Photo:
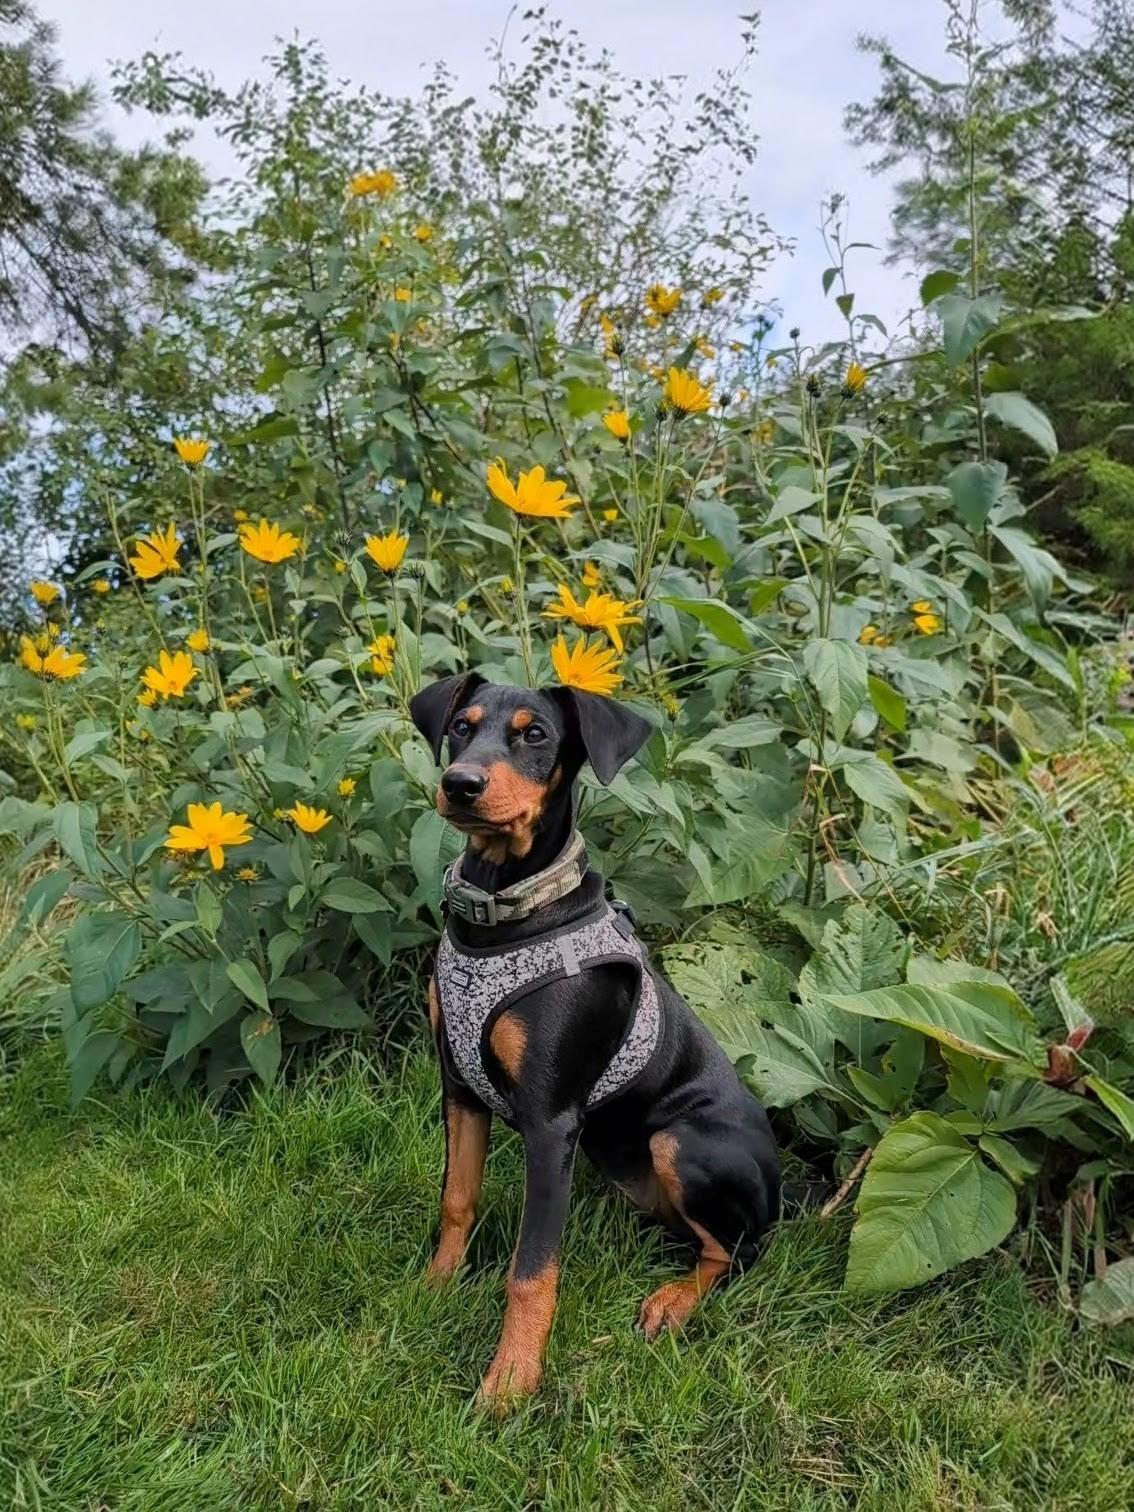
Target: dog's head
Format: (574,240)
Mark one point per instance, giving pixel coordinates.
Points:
(512,749)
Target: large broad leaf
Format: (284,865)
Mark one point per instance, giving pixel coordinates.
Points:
(89,1059)
(1115,1101)
(433,845)
(74,826)
(260,1037)
(101,949)
(1022,415)
(965,323)
(1039,567)
(245,974)
(858,952)
(977,1017)
(975,487)
(837,670)
(349,895)
(877,784)
(1110,1301)
(935,284)
(927,1202)
(718,619)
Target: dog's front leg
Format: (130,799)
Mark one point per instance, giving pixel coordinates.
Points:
(549,1158)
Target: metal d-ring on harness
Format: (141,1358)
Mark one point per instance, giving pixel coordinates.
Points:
(476,985)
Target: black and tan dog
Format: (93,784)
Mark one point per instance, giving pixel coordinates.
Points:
(681,1136)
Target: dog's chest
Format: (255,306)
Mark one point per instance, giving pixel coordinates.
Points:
(475,987)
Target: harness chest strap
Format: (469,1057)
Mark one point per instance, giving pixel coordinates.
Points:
(474,986)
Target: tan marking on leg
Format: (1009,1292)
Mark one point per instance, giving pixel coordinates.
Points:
(466,1139)
(434,1007)
(517,1368)
(670,1305)
(508,1041)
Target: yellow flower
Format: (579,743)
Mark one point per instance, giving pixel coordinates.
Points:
(26,721)
(101,585)
(383,183)
(662,301)
(592,575)
(248,874)
(922,606)
(868,635)
(403,295)
(598,611)
(462,606)
(387,551)
(238,699)
(381,650)
(712,296)
(591,669)
(340,565)
(44,593)
(436,496)
(240,515)
(533,493)
(653,322)
(703,346)
(148,698)
(927,624)
(50,661)
(671,705)
(506,584)
(267,543)
(423,234)
(172,675)
(855,380)
(882,641)
(347,786)
(766,432)
(610,515)
(156,553)
(617,423)
(209,829)
(309,820)
(199,640)
(686,393)
(191,452)
(612,337)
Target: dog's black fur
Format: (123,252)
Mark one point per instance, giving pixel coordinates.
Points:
(686,1140)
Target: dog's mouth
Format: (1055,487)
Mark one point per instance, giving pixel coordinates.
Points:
(469,822)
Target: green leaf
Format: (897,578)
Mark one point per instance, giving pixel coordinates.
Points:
(829,276)
(74,825)
(331,1013)
(927,1203)
(1021,414)
(245,975)
(790,501)
(837,670)
(877,784)
(718,618)
(82,745)
(1013,1162)
(975,487)
(977,1017)
(741,734)
(965,323)
(433,845)
(88,1061)
(888,702)
(349,895)
(933,285)
(1039,567)
(101,949)
(260,1037)
(861,950)
(1115,1101)
(1109,1300)
(585,398)
(845,303)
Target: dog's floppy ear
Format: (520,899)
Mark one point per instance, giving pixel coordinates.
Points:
(610,732)
(433,708)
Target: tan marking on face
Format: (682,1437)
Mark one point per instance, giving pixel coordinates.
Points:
(514,803)
(466,1145)
(474,714)
(518,1365)
(521,719)
(508,1041)
(670,1305)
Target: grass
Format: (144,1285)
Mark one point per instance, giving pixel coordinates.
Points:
(211,1313)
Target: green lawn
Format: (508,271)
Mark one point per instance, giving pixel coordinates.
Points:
(204,1313)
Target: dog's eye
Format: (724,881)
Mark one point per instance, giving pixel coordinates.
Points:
(534,734)
(460,728)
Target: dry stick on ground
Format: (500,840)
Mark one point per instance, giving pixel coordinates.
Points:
(834,1203)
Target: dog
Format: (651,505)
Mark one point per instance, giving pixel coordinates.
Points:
(545,1011)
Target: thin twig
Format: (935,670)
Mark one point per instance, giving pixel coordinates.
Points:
(833,1204)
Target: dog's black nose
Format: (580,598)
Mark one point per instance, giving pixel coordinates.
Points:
(463,784)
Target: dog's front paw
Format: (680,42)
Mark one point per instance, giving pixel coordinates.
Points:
(509,1379)
(667,1308)
(440,1271)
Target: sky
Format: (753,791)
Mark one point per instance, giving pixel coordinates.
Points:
(806,70)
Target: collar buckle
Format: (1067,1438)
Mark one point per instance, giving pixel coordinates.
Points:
(472,905)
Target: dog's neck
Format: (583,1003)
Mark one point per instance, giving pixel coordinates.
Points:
(549,838)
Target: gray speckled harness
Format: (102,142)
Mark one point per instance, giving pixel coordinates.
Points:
(475,986)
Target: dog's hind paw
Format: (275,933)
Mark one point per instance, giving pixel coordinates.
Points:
(667,1308)
(509,1379)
